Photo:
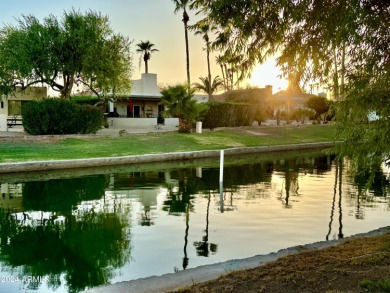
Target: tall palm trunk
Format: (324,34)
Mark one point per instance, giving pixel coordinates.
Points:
(186,18)
(223,76)
(208,64)
(227,77)
(146,63)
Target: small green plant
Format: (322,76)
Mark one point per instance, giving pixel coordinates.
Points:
(179,102)
(381,285)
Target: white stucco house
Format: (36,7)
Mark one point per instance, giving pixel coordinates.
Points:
(142,107)
(143,102)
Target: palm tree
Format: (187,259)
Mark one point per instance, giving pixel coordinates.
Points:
(209,87)
(221,62)
(179,103)
(146,48)
(204,28)
(182,5)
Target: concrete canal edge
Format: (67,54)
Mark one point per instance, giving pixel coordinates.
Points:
(181,279)
(150,158)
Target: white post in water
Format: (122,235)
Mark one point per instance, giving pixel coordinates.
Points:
(221,167)
(221,183)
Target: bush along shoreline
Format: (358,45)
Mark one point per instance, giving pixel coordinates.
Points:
(56,116)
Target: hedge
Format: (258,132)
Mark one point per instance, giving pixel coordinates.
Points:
(232,114)
(55,116)
(90,100)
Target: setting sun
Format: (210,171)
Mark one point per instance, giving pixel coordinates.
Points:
(268,74)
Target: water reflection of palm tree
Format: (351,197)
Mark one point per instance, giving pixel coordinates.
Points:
(287,188)
(338,183)
(341,235)
(333,202)
(180,202)
(185,258)
(203,247)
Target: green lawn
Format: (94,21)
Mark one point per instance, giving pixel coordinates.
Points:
(74,148)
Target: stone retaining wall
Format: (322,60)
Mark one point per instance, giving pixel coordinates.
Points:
(138,159)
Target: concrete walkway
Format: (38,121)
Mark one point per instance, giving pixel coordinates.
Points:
(18,132)
(181,279)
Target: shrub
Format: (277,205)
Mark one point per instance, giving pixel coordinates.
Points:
(91,119)
(300,114)
(89,100)
(232,114)
(381,285)
(55,116)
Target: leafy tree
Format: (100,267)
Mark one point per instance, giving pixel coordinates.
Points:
(146,48)
(318,104)
(78,49)
(179,103)
(340,44)
(209,87)
(183,5)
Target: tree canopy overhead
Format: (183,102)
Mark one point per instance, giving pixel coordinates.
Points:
(313,38)
(343,45)
(80,48)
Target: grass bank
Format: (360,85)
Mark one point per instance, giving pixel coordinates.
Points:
(153,143)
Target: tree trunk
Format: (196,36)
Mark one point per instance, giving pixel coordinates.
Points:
(185,20)
(146,58)
(223,76)
(68,85)
(185,125)
(208,67)
(227,77)
(146,66)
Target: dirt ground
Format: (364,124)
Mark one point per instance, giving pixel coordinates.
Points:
(354,266)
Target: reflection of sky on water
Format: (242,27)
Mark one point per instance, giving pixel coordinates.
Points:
(257,219)
(174,219)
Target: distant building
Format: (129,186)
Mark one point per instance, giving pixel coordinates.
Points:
(144,101)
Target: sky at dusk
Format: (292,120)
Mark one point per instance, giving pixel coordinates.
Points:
(144,20)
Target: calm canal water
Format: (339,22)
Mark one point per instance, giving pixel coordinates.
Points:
(68,231)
